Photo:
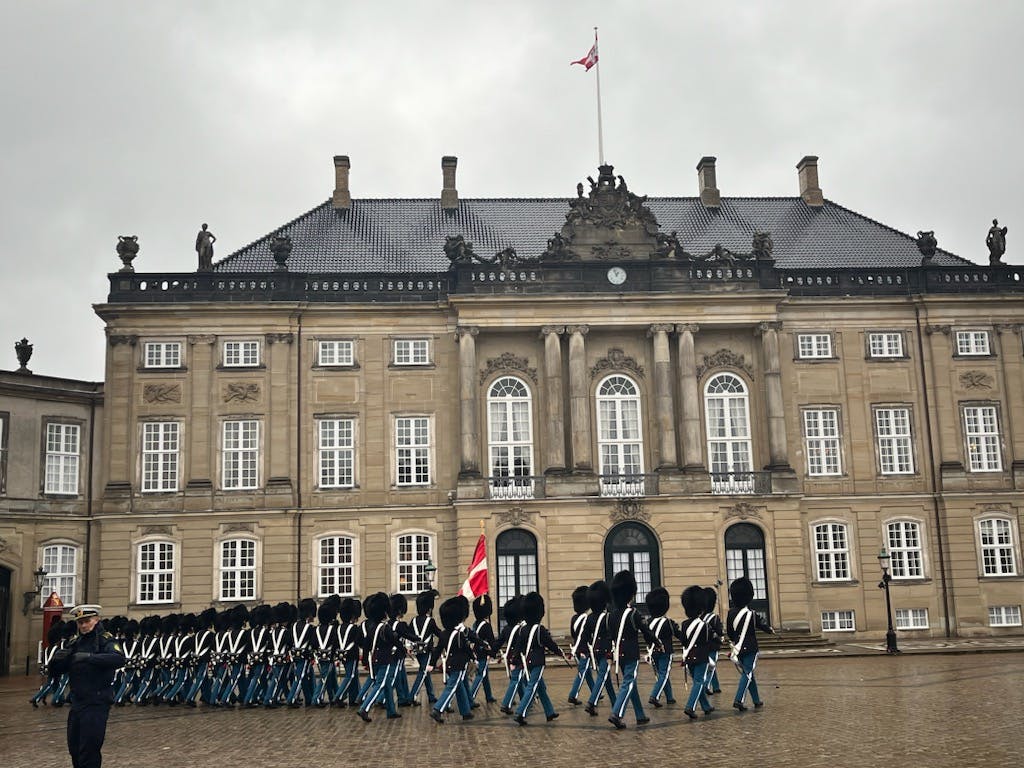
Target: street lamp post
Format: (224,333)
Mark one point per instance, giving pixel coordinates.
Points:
(890,635)
(430,570)
(39,576)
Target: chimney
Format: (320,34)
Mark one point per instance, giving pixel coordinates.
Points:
(342,198)
(707,184)
(807,169)
(449,195)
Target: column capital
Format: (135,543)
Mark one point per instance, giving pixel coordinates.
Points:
(687,328)
(1007,328)
(464,330)
(943,329)
(768,325)
(201,338)
(547,330)
(280,338)
(660,328)
(129,339)
(582,330)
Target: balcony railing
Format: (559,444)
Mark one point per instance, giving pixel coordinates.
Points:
(505,488)
(741,483)
(628,486)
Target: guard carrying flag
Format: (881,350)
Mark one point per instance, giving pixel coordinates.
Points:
(476,583)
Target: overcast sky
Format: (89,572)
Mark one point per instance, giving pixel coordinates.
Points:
(151,118)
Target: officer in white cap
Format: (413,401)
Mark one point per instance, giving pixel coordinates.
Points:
(90,661)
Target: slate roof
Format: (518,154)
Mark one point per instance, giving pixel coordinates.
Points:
(407,235)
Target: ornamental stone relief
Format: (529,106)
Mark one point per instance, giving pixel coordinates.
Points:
(3,544)
(237,528)
(242,392)
(156,530)
(505,363)
(617,360)
(724,358)
(744,510)
(629,509)
(975,380)
(162,393)
(515,516)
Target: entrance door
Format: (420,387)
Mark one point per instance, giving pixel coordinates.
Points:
(5,621)
(633,547)
(517,566)
(744,556)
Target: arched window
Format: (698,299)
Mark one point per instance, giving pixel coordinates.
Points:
(156,565)
(727,412)
(336,569)
(745,556)
(510,439)
(61,564)
(619,437)
(633,547)
(996,542)
(238,569)
(516,550)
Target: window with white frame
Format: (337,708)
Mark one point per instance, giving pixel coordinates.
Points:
(161,354)
(727,413)
(415,550)
(821,438)
(904,537)
(238,569)
(336,440)
(970,343)
(339,353)
(1004,616)
(60,561)
(838,621)
(911,618)
(895,447)
(412,351)
(4,422)
(832,552)
(510,438)
(240,455)
(412,450)
(998,558)
(161,444)
(810,346)
(62,459)
(335,566)
(981,430)
(156,572)
(620,436)
(241,354)
(884,344)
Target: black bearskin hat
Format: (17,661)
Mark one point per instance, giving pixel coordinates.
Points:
(169,623)
(282,613)
(131,629)
(54,634)
(579,599)
(69,629)
(239,616)
(115,624)
(189,623)
(657,602)
(482,607)
(347,611)
(149,625)
(452,612)
(425,601)
(261,616)
(693,601)
(598,596)
(623,589)
(398,605)
(357,608)
(710,599)
(307,609)
(207,618)
(327,613)
(741,592)
(376,606)
(533,608)
(513,610)
(222,621)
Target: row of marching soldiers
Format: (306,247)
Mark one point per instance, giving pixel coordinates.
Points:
(273,656)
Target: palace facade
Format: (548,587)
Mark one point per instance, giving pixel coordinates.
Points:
(695,388)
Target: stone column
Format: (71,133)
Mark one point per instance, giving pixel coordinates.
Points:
(778,453)
(554,461)
(122,362)
(466,336)
(202,441)
(947,430)
(663,411)
(689,413)
(278,439)
(1007,337)
(579,399)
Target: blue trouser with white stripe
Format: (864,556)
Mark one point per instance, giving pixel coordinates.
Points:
(713,685)
(423,679)
(535,687)
(701,674)
(582,673)
(482,678)
(515,675)
(747,682)
(663,670)
(381,684)
(627,691)
(454,689)
(602,682)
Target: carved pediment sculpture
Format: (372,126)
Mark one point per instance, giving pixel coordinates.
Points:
(515,517)
(724,358)
(508,362)
(617,360)
(629,509)
(610,221)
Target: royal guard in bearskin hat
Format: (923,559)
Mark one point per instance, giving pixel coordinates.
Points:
(507,639)
(181,667)
(400,678)
(453,654)
(663,628)
(235,649)
(482,610)
(69,631)
(165,661)
(260,620)
(302,631)
(349,648)
(626,622)
(54,642)
(426,630)
(714,622)
(278,651)
(148,654)
(600,640)
(696,639)
(378,655)
(741,624)
(131,647)
(580,651)
(325,654)
(531,644)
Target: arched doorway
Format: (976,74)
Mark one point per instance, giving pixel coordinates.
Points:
(633,547)
(5,621)
(745,556)
(516,551)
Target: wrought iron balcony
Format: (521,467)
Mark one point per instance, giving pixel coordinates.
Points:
(515,488)
(628,486)
(741,483)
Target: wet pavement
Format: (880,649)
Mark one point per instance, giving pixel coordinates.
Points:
(936,709)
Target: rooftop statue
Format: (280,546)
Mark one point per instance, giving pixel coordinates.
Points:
(996,242)
(763,245)
(204,247)
(926,244)
(458,250)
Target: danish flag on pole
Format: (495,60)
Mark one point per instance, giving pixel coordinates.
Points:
(476,583)
(590,59)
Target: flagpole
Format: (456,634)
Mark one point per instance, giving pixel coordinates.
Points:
(600,132)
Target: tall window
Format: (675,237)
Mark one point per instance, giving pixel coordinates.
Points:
(633,547)
(337,452)
(997,550)
(160,446)
(619,437)
(238,569)
(335,566)
(885,344)
(516,550)
(241,451)
(62,446)
(336,353)
(241,354)
(905,549)
(728,425)
(832,552)
(414,552)
(895,450)
(745,556)
(821,436)
(412,450)
(412,351)
(156,572)
(61,564)
(970,343)
(161,354)
(813,345)
(981,429)
(510,432)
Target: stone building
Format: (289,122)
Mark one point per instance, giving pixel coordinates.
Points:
(692,387)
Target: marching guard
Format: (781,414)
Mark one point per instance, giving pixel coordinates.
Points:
(453,652)
(742,623)
(580,651)
(600,640)
(697,640)
(426,630)
(661,659)
(482,610)
(507,642)
(532,642)
(628,623)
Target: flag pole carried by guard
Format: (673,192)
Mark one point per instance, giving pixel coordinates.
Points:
(588,61)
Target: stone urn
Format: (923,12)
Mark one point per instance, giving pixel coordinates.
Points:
(127,249)
(281,247)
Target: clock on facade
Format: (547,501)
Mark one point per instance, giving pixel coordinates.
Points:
(616,275)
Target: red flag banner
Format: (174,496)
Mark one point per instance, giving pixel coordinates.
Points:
(590,59)
(476,583)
